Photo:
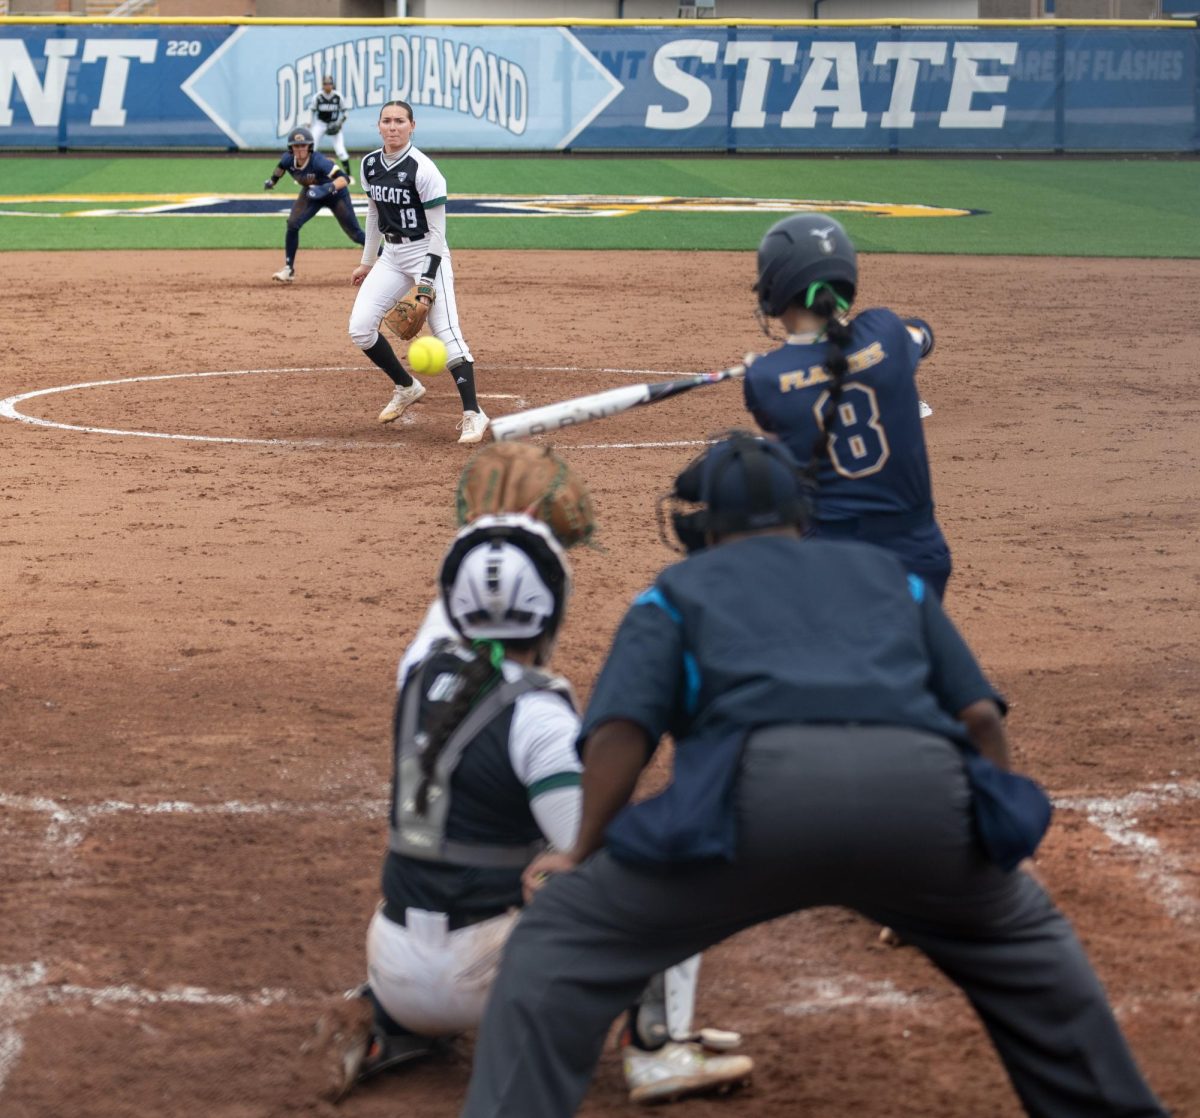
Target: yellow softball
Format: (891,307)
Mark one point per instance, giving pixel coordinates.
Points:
(427,356)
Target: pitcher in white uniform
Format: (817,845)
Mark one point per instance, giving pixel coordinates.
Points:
(406,209)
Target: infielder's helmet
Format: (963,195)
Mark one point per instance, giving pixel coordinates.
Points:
(300,136)
(504,578)
(799,251)
(743,483)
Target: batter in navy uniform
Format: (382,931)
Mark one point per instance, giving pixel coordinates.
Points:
(823,708)
(322,184)
(406,209)
(843,396)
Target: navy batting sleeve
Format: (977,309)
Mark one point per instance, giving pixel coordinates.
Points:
(920,334)
(762,418)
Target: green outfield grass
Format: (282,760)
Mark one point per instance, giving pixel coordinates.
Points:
(1053,207)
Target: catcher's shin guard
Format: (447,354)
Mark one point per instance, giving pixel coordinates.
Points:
(667,1006)
(647,1026)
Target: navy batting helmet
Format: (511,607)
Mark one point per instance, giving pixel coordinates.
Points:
(299,136)
(744,483)
(799,251)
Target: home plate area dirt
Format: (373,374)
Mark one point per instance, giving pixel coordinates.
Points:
(214,556)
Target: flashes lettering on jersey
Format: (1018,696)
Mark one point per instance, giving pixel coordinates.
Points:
(857,361)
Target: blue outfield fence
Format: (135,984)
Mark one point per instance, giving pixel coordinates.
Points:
(692,86)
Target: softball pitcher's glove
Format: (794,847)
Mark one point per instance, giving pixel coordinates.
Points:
(407,317)
(520,477)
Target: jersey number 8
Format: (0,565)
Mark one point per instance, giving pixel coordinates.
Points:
(858,445)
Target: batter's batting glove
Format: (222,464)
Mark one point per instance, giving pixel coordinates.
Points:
(316,193)
(269,184)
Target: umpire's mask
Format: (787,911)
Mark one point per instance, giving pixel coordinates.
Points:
(742,483)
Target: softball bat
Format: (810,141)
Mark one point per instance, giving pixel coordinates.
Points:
(601,405)
(613,401)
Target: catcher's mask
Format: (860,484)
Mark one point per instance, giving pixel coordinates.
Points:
(300,136)
(505,578)
(742,483)
(797,255)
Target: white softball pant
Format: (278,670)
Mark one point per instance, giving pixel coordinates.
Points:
(396,270)
(338,138)
(429,979)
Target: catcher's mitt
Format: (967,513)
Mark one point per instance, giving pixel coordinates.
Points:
(407,317)
(520,477)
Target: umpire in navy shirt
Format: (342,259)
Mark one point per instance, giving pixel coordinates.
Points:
(822,707)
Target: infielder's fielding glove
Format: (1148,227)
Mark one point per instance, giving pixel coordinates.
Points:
(334,128)
(520,477)
(407,317)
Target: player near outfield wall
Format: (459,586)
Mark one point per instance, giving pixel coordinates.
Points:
(327,114)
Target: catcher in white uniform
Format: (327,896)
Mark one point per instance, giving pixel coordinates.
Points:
(485,774)
(406,207)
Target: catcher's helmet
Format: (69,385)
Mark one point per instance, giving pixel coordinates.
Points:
(744,483)
(799,251)
(505,577)
(299,136)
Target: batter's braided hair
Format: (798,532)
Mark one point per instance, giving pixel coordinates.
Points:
(825,303)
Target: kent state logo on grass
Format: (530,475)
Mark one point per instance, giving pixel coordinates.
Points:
(532,205)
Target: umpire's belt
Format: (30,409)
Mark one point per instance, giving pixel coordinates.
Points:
(876,526)
(396,239)
(454,920)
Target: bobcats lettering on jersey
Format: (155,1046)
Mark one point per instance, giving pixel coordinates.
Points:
(327,106)
(400,196)
(402,188)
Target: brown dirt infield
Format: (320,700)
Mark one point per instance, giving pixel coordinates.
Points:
(199,643)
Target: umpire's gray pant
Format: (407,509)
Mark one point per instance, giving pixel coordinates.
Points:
(875,819)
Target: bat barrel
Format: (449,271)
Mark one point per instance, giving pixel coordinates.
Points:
(567,413)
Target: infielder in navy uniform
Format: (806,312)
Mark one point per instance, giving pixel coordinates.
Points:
(322,185)
(327,111)
(406,207)
(823,708)
(842,395)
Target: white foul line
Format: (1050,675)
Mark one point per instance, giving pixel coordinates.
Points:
(8,407)
(23,989)
(1169,875)
(67,824)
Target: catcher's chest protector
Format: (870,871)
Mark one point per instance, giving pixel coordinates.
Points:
(424,836)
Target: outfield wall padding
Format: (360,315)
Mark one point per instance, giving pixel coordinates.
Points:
(1020,87)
